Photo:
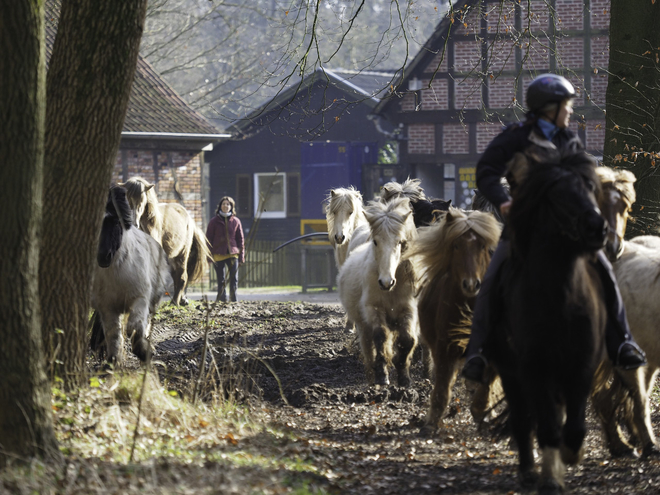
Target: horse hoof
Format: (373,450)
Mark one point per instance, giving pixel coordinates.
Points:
(529,479)
(404,381)
(142,350)
(650,450)
(551,487)
(571,457)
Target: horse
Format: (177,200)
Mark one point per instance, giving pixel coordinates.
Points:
(173,228)
(344,214)
(131,275)
(450,259)
(636,264)
(549,314)
(425,210)
(376,288)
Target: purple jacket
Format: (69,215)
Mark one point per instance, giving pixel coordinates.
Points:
(216,233)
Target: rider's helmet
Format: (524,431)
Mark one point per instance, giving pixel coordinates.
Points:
(547,89)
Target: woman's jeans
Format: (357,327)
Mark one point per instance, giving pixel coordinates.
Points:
(232,266)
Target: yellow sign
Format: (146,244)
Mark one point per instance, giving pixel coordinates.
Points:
(469,175)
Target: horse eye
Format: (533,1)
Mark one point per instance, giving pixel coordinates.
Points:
(404,245)
(491,251)
(591,186)
(375,243)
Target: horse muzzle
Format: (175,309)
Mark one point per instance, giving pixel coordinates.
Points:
(387,284)
(471,286)
(104,259)
(339,239)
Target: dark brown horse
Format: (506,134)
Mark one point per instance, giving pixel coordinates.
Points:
(451,258)
(548,336)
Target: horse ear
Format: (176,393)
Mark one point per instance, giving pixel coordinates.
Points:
(121,184)
(146,188)
(518,168)
(333,193)
(450,216)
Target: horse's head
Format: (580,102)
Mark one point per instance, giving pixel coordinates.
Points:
(559,200)
(118,218)
(392,229)
(427,211)
(343,213)
(137,190)
(615,204)
(410,188)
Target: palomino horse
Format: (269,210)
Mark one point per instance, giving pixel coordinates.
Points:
(172,226)
(376,288)
(450,259)
(131,276)
(636,264)
(344,214)
(548,337)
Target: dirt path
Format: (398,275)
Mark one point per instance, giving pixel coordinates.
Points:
(367,439)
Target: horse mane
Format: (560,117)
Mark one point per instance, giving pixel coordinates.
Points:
(410,188)
(390,217)
(529,193)
(620,180)
(338,199)
(118,201)
(135,187)
(432,251)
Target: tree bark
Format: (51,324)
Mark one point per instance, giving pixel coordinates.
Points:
(26,428)
(633,105)
(88,85)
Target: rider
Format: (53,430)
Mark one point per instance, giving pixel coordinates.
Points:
(549,102)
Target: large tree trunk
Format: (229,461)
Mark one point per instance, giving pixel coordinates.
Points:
(26,428)
(633,104)
(89,81)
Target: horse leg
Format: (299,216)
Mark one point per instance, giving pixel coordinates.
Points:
(606,402)
(485,396)
(406,342)
(521,423)
(380,340)
(639,382)
(114,338)
(368,351)
(180,278)
(445,377)
(138,328)
(549,434)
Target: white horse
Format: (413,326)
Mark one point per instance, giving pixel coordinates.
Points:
(344,214)
(637,267)
(376,288)
(131,276)
(172,226)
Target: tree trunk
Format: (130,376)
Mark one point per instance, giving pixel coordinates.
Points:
(26,428)
(633,104)
(88,85)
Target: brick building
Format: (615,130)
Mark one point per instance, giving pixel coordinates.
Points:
(470,77)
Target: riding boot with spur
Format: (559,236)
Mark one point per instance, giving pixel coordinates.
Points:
(622,349)
(475,361)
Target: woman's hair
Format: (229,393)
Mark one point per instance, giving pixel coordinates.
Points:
(231,203)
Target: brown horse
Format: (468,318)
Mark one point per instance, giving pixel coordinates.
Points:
(172,226)
(636,264)
(451,257)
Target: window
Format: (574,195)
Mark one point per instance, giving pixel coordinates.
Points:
(450,183)
(270,195)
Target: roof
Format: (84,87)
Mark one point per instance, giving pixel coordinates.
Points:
(367,86)
(430,49)
(155,110)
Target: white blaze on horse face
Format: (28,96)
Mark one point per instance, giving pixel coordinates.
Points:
(344,220)
(387,253)
(470,276)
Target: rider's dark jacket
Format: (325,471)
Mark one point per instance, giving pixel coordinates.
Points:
(516,138)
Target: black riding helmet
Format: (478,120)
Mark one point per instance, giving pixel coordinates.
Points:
(548,88)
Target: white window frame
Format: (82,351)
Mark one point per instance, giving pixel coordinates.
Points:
(257,196)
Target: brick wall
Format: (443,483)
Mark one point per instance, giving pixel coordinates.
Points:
(595,135)
(569,14)
(499,16)
(421,139)
(467,56)
(486,131)
(536,18)
(570,52)
(502,92)
(186,167)
(436,97)
(468,93)
(455,139)
(600,14)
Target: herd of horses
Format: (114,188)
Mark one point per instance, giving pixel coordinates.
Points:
(404,278)
(409,270)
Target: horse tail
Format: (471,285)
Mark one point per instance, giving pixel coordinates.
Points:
(97,339)
(199,256)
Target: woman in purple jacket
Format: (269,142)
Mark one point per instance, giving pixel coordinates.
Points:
(225,233)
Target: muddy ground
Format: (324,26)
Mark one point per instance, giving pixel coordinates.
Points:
(298,364)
